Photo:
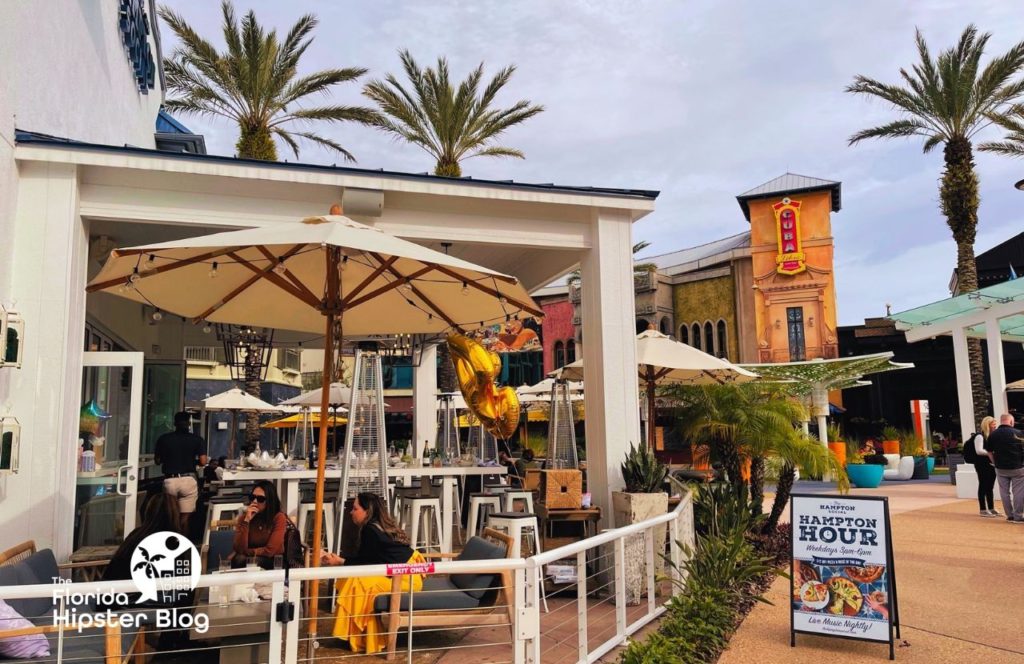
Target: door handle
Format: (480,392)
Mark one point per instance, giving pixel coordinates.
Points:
(117,485)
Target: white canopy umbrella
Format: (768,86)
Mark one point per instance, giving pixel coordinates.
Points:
(664,360)
(340,393)
(1015,386)
(545,386)
(326,274)
(236,400)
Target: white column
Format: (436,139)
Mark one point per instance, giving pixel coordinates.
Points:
(819,405)
(424,401)
(964,393)
(48,288)
(609,354)
(996,369)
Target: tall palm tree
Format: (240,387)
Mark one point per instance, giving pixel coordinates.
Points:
(1013,143)
(255,83)
(450,124)
(947,100)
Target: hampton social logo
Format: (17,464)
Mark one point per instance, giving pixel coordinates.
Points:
(165,568)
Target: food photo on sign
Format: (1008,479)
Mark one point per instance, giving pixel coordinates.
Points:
(842,581)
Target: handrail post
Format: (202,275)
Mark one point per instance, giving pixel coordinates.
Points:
(581,606)
(276,600)
(620,588)
(526,627)
(649,542)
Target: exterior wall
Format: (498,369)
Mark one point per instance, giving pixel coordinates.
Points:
(711,299)
(746,320)
(813,289)
(557,326)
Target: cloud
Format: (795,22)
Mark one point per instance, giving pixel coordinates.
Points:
(702,100)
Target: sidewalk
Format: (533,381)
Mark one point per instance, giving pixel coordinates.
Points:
(960,590)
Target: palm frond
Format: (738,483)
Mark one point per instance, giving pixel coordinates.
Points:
(324,142)
(909,127)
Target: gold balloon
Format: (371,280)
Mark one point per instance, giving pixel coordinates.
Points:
(477,368)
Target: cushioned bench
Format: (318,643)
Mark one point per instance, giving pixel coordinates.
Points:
(92,646)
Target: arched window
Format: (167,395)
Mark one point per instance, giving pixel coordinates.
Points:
(570,351)
(641,325)
(709,338)
(664,327)
(723,345)
(695,342)
(684,334)
(559,355)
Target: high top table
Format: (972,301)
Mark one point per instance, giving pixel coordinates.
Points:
(288,485)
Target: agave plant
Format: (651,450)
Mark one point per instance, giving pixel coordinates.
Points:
(642,471)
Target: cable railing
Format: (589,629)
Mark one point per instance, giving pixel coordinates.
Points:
(582,619)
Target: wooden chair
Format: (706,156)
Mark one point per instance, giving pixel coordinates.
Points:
(494,607)
(91,570)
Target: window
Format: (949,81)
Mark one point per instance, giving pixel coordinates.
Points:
(684,334)
(664,327)
(696,336)
(289,359)
(570,351)
(709,338)
(723,346)
(559,355)
(523,368)
(795,323)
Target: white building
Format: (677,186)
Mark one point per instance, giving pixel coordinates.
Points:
(67,74)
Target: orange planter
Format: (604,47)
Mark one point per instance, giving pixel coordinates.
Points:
(838,449)
(891,446)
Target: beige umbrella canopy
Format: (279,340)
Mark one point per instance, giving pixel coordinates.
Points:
(1016,386)
(662,360)
(325,274)
(339,394)
(545,386)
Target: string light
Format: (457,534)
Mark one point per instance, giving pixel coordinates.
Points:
(344,263)
(407,286)
(465,288)
(213,270)
(151,260)
(135,275)
(157,315)
(502,300)
(280,268)
(207,329)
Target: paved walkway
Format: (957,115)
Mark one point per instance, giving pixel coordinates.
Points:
(961,591)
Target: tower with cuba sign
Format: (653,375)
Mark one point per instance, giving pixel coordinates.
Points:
(791,249)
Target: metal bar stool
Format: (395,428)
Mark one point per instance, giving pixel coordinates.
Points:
(327,531)
(520,525)
(432,530)
(477,502)
(512,495)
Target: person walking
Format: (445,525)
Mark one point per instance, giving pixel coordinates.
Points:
(986,471)
(1005,447)
(178,453)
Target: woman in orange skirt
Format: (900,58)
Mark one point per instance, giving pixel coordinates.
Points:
(381,541)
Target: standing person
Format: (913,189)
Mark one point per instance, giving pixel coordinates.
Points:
(986,471)
(381,542)
(1005,447)
(261,529)
(178,453)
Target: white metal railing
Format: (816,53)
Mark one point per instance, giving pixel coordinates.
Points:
(534,635)
(202,354)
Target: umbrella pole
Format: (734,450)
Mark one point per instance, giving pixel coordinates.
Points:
(651,433)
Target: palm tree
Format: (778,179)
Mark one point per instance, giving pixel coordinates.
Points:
(1013,143)
(948,100)
(450,124)
(255,83)
(576,276)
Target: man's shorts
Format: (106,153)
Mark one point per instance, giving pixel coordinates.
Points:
(185,489)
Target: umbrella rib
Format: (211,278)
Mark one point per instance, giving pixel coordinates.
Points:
(157,270)
(398,275)
(487,289)
(268,274)
(368,280)
(383,289)
(295,281)
(241,288)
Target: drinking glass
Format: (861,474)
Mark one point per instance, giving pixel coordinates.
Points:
(224,565)
(278,562)
(251,562)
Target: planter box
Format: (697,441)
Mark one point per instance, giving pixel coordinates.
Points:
(865,475)
(838,449)
(630,508)
(891,446)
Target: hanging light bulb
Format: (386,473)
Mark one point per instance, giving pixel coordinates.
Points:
(407,286)
(151,260)
(135,275)
(207,329)
(502,300)
(213,270)
(157,315)
(344,263)
(465,288)
(280,268)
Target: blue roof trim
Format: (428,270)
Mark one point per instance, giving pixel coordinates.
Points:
(23,137)
(167,124)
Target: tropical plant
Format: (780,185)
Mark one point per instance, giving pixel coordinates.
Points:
(947,100)
(834,432)
(725,561)
(255,83)
(891,433)
(149,563)
(642,471)
(452,123)
(911,444)
(719,509)
(576,276)
(803,451)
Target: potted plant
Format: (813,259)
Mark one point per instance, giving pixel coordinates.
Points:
(863,475)
(913,445)
(891,437)
(644,497)
(835,442)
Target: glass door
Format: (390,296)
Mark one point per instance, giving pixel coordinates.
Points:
(163,388)
(110,424)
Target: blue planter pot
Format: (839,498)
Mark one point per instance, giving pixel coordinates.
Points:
(864,475)
(931,465)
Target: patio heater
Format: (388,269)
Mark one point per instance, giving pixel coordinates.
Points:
(364,465)
(448,426)
(561,429)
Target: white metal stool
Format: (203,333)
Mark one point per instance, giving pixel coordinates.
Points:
(478,501)
(305,509)
(432,531)
(219,511)
(511,496)
(519,525)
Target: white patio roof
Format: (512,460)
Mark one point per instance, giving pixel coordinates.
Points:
(1003,302)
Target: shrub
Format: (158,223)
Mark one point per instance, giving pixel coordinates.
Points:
(721,508)
(642,471)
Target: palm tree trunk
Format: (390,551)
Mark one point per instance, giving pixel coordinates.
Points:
(730,457)
(782,491)
(959,201)
(252,386)
(757,485)
(256,143)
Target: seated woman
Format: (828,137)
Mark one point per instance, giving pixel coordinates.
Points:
(261,529)
(381,542)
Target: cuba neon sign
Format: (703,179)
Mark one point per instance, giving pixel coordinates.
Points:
(791,258)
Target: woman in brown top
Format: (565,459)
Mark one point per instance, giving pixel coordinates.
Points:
(261,529)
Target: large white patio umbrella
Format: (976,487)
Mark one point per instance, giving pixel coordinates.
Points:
(663,360)
(545,386)
(1015,386)
(237,400)
(339,394)
(326,274)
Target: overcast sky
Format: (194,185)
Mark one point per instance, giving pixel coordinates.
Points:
(701,100)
